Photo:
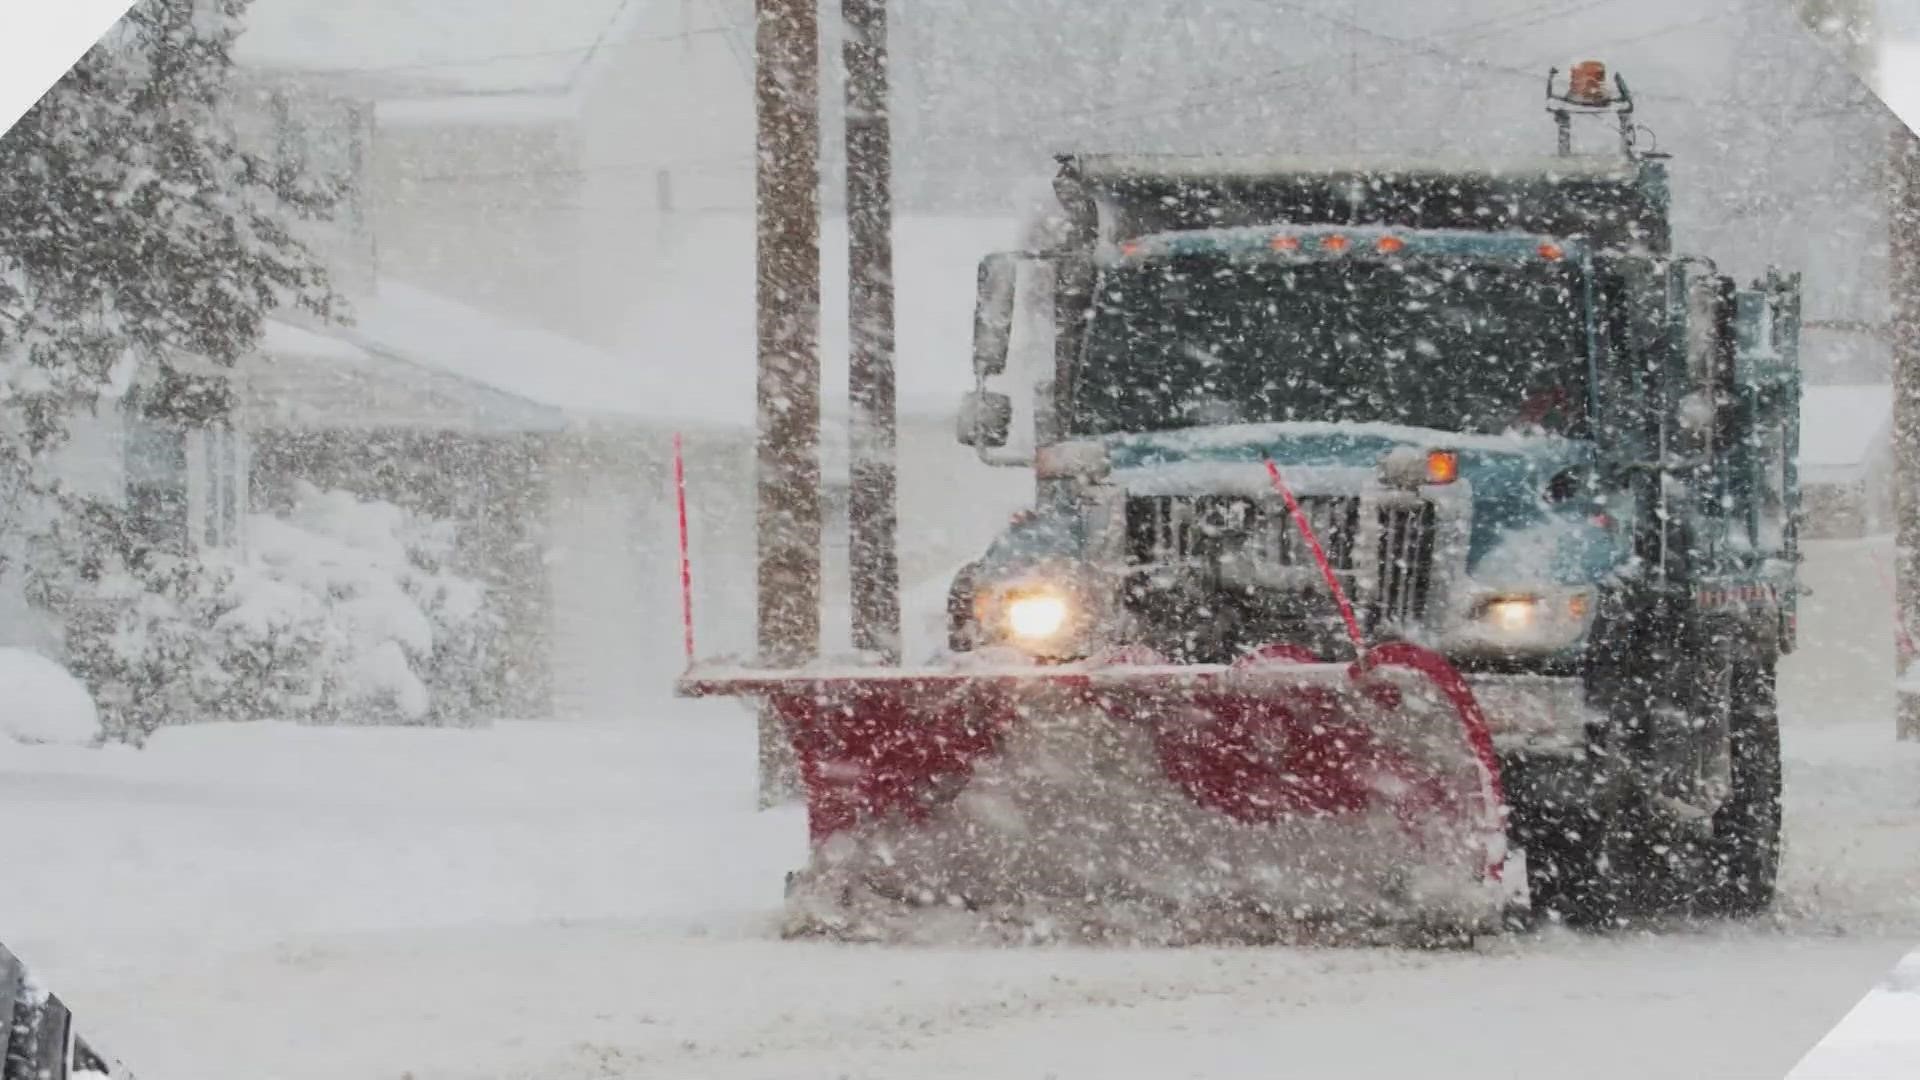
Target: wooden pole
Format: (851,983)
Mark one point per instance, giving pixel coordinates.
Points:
(1903,230)
(787,205)
(872,512)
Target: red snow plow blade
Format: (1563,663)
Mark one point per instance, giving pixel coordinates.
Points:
(1139,799)
(1126,797)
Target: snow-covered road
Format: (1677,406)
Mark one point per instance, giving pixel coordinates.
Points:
(595,901)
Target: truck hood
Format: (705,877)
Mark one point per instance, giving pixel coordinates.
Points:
(1507,474)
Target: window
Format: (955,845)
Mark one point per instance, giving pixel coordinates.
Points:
(1467,347)
(223,485)
(220,485)
(186,485)
(157,485)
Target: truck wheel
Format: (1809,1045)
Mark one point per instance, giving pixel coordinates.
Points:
(1743,857)
(1566,878)
(1571,834)
(1585,870)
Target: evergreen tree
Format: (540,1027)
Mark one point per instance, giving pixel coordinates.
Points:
(135,228)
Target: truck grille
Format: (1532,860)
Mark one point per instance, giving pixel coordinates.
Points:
(1178,528)
(1406,562)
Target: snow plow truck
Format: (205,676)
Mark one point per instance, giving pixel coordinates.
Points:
(1398,525)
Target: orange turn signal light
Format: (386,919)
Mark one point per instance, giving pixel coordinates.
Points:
(1443,466)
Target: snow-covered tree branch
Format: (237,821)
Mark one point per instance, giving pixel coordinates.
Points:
(133,226)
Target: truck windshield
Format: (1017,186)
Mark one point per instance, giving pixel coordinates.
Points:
(1456,346)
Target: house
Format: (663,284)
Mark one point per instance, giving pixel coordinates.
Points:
(525,239)
(555,457)
(1846,461)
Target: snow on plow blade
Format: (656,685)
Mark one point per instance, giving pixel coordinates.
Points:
(1143,800)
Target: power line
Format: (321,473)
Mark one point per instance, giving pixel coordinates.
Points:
(1404,45)
(1478,31)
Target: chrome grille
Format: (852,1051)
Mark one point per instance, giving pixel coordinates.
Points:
(1180,528)
(1406,562)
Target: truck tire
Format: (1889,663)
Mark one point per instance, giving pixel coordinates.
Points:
(1586,868)
(1742,859)
(1566,876)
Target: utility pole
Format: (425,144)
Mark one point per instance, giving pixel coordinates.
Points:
(874,566)
(1903,231)
(787,207)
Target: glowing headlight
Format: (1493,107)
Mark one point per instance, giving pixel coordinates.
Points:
(1511,614)
(1538,620)
(1037,616)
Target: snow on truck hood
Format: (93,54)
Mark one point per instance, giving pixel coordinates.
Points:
(1314,444)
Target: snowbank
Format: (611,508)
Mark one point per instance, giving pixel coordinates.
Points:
(43,703)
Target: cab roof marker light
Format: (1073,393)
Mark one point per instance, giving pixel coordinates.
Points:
(1334,242)
(1387,245)
(1284,242)
(1552,252)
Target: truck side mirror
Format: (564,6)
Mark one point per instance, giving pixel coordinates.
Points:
(993,314)
(986,419)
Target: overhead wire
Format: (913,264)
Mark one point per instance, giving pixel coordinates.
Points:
(1419,47)
(1485,28)
(1482,30)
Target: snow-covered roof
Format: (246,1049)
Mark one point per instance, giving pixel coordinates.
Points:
(531,363)
(474,46)
(285,339)
(484,61)
(336,377)
(1844,426)
(689,348)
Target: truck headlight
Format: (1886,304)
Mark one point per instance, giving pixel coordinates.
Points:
(1041,618)
(1038,616)
(1511,614)
(1529,620)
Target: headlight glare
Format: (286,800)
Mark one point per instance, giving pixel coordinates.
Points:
(1511,614)
(1532,620)
(1037,616)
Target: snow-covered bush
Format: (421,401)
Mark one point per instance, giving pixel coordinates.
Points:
(44,704)
(133,223)
(342,611)
(413,635)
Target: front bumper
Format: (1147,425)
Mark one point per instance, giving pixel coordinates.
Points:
(1536,714)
